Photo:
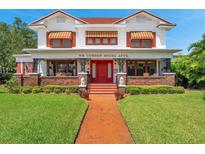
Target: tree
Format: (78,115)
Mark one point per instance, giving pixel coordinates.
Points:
(191,67)
(13,38)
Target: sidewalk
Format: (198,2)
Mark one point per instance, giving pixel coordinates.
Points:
(103,123)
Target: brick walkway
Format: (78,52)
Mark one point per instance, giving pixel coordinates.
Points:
(103,123)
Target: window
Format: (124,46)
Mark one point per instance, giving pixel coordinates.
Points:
(63,67)
(105,41)
(113,41)
(56,43)
(139,67)
(90,41)
(135,43)
(66,43)
(97,41)
(101,41)
(146,43)
(61,43)
(141,44)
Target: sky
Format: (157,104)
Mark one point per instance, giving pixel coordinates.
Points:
(189,29)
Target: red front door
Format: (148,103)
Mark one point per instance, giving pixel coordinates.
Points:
(101,71)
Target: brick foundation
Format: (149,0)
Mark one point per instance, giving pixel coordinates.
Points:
(63,80)
(151,80)
(34,79)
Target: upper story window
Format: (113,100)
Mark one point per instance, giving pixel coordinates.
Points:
(101,38)
(61,39)
(141,39)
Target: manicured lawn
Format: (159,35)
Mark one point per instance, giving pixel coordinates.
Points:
(2,89)
(40,118)
(169,118)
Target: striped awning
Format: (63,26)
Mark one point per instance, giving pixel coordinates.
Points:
(142,35)
(59,35)
(101,34)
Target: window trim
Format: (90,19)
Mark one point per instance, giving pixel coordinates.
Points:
(101,40)
(136,61)
(61,43)
(141,40)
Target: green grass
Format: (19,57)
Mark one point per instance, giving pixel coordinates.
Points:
(2,89)
(170,118)
(40,118)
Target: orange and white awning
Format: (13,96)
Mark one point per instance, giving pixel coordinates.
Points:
(142,35)
(101,34)
(60,35)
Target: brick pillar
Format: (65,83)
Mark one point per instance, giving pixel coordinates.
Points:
(170,78)
(19,78)
(34,79)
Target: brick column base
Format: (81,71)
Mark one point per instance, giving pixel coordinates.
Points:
(170,78)
(19,78)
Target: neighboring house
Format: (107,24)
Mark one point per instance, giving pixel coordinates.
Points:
(101,47)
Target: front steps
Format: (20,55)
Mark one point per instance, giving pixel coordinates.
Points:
(102,88)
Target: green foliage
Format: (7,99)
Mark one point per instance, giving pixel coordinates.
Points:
(67,91)
(26,90)
(204,96)
(136,90)
(57,91)
(13,38)
(190,69)
(37,90)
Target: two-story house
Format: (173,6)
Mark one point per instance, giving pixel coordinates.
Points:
(101,48)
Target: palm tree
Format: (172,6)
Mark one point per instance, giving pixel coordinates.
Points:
(198,47)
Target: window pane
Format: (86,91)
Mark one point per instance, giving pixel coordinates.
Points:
(146,43)
(113,41)
(135,43)
(66,44)
(151,67)
(61,67)
(131,68)
(97,41)
(105,41)
(56,43)
(90,40)
(140,68)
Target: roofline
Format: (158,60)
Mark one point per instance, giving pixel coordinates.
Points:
(144,12)
(33,23)
(108,49)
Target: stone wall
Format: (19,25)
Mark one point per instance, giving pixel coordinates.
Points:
(151,80)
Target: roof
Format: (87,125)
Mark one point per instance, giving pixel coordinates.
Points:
(143,11)
(59,11)
(100,20)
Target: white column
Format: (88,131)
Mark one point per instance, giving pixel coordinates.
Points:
(21,67)
(157,66)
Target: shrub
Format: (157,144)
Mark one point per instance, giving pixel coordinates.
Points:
(67,91)
(47,90)
(204,96)
(57,91)
(84,94)
(119,94)
(26,90)
(11,85)
(73,89)
(14,90)
(136,90)
(37,90)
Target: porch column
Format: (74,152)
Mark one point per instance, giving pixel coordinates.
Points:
(83,75)
(121,75)
(157,67)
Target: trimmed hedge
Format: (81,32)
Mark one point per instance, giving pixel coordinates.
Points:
(46,89)
(136,90)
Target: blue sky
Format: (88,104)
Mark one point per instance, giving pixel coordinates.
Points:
(190,23)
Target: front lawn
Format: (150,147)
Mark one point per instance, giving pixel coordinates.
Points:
(169,118)
(40,118)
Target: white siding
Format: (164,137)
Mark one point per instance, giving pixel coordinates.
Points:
(141,23)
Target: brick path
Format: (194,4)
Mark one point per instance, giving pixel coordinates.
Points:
(103,123)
